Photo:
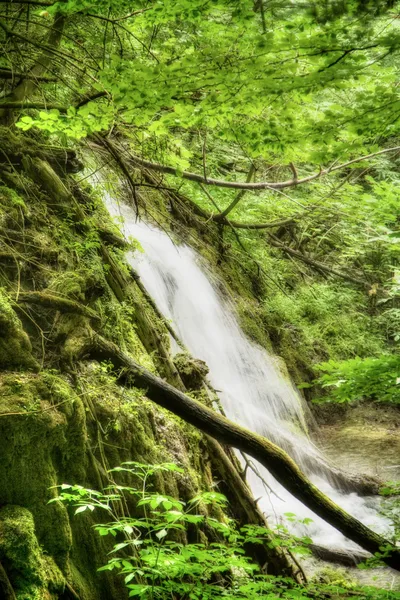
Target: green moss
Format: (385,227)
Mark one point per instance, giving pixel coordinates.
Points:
(251,321)
(72,333)
(15,347)
(13,208)
(50,435)
(192,370)
(334,576)
(42,438)
(71,284)
(120,326)
(11,198)
(33,575)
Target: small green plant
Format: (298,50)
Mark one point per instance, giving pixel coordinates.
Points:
(357,379)
(150,549)
(153,555)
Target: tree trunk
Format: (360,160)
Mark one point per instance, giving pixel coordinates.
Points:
(25,88)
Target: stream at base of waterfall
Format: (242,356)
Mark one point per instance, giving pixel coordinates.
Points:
(252,389)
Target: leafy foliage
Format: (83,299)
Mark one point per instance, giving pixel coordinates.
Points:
(357,379)
(157,565)
(376,379)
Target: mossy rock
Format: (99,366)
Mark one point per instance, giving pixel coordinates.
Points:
(15,347)
(49,435)
(192,370)
(33,575)
(42,440)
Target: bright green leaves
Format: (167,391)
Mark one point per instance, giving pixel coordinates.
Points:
(72,7)
(153,557)
(158,562)
(25,123)
(74,123)
(159,501)
(209,498)
(297,86)
(357,379)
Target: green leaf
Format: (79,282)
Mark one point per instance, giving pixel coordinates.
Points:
(161,534)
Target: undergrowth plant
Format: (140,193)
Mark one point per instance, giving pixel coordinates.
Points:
(153,554)
(358,379)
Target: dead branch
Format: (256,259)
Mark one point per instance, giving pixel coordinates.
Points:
(319,265)
(261,185)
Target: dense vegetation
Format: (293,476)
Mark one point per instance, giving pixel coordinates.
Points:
(267,134)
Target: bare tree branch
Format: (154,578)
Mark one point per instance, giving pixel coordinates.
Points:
(262,185)
(269,225)
(10,74)
(319,265)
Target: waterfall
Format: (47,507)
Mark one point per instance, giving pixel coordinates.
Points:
(252,390)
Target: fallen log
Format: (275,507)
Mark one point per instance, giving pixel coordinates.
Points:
(279,464)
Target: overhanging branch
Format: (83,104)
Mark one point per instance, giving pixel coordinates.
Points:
(261,185)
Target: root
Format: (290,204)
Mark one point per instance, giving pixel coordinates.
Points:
(64,305)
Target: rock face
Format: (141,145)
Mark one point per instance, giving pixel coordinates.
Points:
(15,346)
(50,435)
(64,420)
(34,573)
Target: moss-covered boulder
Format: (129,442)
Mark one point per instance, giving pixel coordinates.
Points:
(33,575)
(42,439)
(15,347)
(52,432)
(191,370)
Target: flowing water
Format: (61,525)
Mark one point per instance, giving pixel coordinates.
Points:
(251,387)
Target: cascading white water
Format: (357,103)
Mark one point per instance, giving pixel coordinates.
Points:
(252,390)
